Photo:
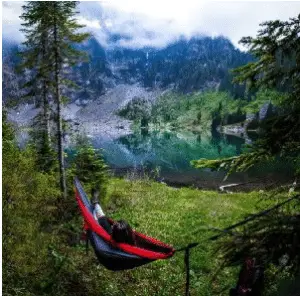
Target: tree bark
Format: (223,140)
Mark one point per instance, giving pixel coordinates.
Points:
(59,118)
(46,114)
(45,99)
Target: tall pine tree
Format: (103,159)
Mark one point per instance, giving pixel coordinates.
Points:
(63,34)
(51,31)
(35,61)
(273,237)
(277,65)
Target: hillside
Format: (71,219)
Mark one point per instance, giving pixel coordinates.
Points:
(114,76)
(197,64)
(185,65)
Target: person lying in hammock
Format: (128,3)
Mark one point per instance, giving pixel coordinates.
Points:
(120,231)
(98,213)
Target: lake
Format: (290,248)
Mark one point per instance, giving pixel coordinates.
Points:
(166,157)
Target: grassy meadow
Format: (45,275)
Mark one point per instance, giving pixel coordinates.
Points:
(177,217)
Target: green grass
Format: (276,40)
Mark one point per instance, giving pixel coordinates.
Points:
(177,217)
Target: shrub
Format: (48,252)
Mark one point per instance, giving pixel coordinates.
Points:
(89,166)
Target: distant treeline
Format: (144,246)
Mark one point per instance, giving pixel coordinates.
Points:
(198,110)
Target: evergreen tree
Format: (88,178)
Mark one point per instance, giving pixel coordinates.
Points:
(277,49)
(35,61)
(277,65)
(51,31)
(90,168)
(62,34)
(272,238)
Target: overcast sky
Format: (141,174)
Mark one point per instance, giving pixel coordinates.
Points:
(159,22)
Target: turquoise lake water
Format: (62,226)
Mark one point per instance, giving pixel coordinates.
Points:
(167,156)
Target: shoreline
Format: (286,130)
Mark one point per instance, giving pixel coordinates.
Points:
(113,127)
(228,186)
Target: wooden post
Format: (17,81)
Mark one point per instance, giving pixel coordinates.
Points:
(187,265)
(187,268)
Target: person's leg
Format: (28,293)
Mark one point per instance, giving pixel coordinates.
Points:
(103,221)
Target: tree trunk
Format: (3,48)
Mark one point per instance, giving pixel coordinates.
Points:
(59,118)
(45,100)
(46,114)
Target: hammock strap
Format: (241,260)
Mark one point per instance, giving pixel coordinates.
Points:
(187,268)
(86,245)
(187,264)
(252,217)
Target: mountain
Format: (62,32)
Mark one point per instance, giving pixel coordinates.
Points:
(11,82)
(185,66)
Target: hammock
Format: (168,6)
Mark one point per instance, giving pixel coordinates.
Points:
(118,256)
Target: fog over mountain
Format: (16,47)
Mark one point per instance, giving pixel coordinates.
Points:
(158,23)
(157,44)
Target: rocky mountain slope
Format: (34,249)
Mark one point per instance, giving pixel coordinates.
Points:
(99,116)
(114,75)
(185,66)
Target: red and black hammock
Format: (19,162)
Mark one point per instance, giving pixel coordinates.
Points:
(119,256)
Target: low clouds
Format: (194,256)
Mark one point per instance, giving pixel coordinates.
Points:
(159,22)
(11,22)
(168,20)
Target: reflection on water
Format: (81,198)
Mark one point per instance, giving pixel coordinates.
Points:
(172,152)
(169,151)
